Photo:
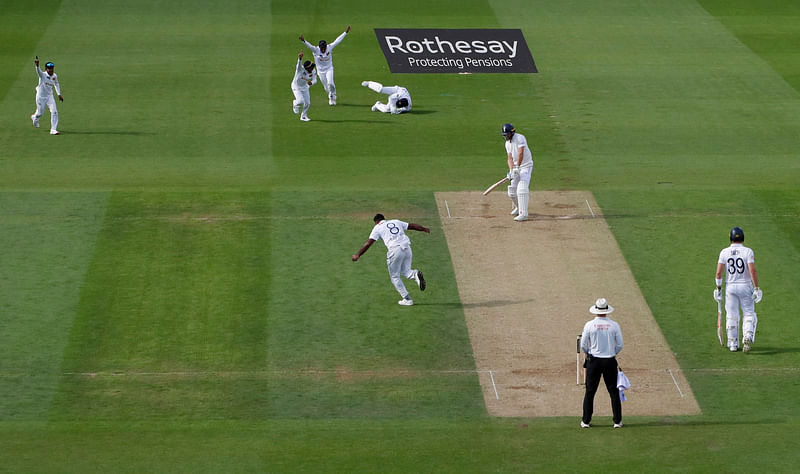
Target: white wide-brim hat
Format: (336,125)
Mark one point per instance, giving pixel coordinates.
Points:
(601,306)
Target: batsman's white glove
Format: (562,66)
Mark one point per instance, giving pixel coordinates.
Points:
(515,172)
(757,295)
(717,294)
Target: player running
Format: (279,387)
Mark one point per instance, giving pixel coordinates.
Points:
(398,252)
(304,76)
(323,54)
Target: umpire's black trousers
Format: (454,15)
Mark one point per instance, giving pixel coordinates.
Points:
(607,368)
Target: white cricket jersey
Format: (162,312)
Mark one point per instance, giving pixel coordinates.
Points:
(392,232)
(46,84)
(301,77)
(735,258)
(325,60)
(400,93)
(601,337)
(513,146)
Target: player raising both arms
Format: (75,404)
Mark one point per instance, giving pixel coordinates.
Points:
(323,54)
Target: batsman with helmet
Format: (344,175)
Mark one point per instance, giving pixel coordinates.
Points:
(520,171)
(741,290)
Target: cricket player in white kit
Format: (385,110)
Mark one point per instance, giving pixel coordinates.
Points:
(398,252)
(520,171)
(741,289)
(44,95)
(399,100)
(304,76)
(323,54)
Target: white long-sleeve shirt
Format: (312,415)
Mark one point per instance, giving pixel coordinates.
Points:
(325,60)
(301,77)
(400,93)
(47,83)
(601,337)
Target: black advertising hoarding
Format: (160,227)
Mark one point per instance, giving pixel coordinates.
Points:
(456,51)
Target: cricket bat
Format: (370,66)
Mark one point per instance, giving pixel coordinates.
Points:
(719,323)
(495,186)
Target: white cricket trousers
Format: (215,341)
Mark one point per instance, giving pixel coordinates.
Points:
(519,190)
(301,97)
(49,102)
(399,262)
(326,77)
(740,295)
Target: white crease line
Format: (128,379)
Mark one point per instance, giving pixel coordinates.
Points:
(675,382)
(494,386)
(590,208)
(448,208)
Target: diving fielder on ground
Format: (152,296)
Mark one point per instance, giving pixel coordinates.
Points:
(520,171)
(398,102)
(741,289)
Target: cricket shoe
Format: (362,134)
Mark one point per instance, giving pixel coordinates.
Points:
(406,302)
(55,132)
(746,344)
(521,218)
(733,348)
(375,107)
(331,101)
(585,425)
(365,83)
(618,425)
(515,211)
(35,121)
(296,108)
(420,280)
(305,118)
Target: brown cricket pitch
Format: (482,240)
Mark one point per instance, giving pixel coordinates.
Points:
(526,288)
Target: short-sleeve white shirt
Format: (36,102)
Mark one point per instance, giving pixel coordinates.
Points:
(735,259)
(392,232)
(512,147)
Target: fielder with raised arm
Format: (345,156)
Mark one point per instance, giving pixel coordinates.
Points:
(520,171)
(44,95)
(399,100)
(323,54)
(398,252)
(741,289)
(304,76)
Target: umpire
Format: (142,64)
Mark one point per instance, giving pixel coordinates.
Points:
(601,341)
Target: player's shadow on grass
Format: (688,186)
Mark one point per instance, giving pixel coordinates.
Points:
(760,351)
(105,132)
(350,121)
(485,304)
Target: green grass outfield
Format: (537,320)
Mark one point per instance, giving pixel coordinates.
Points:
(177,292)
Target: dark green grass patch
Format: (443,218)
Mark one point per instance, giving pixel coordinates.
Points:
(46,241)
(206,306)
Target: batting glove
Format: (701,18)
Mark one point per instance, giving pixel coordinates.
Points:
(515,172)
(757,295)
(717,294)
